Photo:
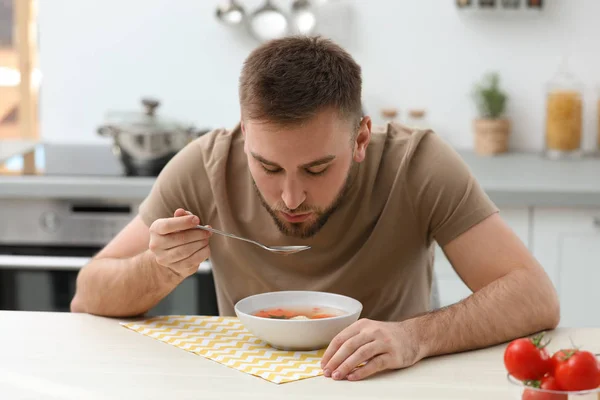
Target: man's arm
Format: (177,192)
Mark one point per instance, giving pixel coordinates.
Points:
(513,296)
(123,279)
(140,266)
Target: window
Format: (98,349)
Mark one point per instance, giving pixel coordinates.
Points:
(19,78)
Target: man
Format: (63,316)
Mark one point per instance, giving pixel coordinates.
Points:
(305,167)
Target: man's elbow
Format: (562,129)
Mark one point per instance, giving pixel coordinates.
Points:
(77,305)
(78,301)
(550,305)
(553,313)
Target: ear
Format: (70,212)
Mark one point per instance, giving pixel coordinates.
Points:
(243,128)
(362,139)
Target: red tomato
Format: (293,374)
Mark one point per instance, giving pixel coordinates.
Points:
(578,370)
(548,383)
(526,359)
(560,356)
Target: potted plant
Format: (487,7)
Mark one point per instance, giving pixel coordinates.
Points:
(492,128)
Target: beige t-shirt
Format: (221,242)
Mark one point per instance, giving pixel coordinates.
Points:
(411,189)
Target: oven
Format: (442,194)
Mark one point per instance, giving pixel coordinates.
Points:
(44,242)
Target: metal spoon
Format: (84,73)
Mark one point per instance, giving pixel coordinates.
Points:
(283,250)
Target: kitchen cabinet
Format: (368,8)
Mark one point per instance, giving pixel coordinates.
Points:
(566,241)
(451,288)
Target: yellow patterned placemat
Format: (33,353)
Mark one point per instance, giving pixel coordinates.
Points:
(226,341)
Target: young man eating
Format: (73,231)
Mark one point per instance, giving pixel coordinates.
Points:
(306,167)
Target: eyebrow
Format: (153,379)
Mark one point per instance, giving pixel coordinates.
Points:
(314,163)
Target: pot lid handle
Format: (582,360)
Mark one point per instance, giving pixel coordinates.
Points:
(150,105)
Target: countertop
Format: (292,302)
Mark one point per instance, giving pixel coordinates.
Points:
(511,179)
(79,356)
(529,179)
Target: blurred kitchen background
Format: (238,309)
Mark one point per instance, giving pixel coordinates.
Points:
(95,96)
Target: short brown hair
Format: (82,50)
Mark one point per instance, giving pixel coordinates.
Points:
(289,80)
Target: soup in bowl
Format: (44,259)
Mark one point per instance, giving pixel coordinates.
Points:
(297,320)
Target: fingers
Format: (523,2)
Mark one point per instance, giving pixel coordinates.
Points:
(165,226)
(373,366)
(346,350)
(361,355)
(181,252)
(338,341)
(176,239)
(177,244)
(363,349)
(192,262)
(180,212)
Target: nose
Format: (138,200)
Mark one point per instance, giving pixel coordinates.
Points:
(292,194)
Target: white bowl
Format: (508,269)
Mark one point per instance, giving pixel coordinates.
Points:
(301,335)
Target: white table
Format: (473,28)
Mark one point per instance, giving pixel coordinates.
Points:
(78,356)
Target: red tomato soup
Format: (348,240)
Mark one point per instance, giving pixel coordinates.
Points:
(299,312)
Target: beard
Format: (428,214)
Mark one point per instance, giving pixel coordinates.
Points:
(306,229)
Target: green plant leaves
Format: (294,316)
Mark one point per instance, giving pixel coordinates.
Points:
(489,98)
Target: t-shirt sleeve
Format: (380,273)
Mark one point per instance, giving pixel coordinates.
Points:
(177,186)
(447,198)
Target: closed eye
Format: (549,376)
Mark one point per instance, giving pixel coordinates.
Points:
(270,169)
(316,171)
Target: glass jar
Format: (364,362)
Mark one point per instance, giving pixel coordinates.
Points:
(564,115)
(416,119)
(511,3)
(535,3)
(390,114)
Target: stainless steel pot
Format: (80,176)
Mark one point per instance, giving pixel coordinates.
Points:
(145,142)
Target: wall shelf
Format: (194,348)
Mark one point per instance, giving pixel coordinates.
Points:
(506,7)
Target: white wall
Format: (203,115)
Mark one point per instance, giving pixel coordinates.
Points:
(99,55)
